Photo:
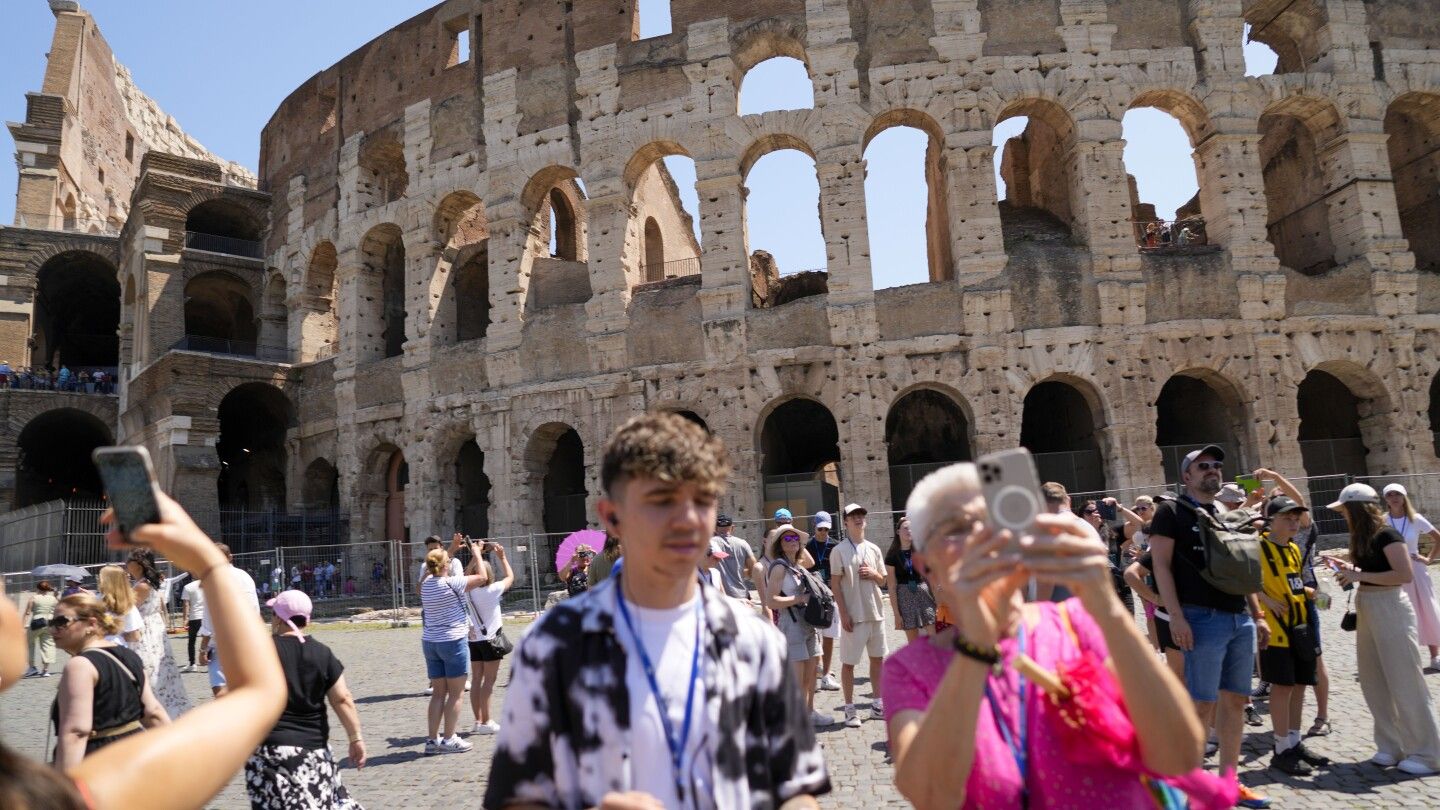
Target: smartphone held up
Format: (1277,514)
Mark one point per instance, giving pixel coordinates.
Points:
(129,481)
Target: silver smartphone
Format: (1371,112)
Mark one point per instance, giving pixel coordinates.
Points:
(129,480)
(1012,490)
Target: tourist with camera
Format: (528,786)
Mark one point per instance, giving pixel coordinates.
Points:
(490,644)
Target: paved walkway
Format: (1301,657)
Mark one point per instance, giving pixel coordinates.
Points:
(386,673)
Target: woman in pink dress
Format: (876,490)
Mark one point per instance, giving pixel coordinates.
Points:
(965,733)
(1403,518)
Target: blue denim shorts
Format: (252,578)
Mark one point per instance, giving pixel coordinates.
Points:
(1224,655)
(446,659)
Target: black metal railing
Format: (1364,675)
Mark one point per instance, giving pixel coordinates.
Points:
(238,348)
(676,268)
(229,245)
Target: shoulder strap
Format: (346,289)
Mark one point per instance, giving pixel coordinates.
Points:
(123,668)
(1269,553)
(1069,628)
(469,608)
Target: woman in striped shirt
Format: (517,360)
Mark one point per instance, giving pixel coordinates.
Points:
(445,640)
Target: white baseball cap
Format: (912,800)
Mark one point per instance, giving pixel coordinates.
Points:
(1355,493)
(1389,488)
(1231,493)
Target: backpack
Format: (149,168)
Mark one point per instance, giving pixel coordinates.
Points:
(819,611)
(1231,549)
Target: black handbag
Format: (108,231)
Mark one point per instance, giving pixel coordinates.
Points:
(1349,621)
(38,623)
(502,643)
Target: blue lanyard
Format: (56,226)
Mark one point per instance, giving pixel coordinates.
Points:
(676,744)
(1406,524)
(1019,751)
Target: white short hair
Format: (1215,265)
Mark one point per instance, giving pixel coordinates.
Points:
(932,500)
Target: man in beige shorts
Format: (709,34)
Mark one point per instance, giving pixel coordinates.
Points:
(857,573)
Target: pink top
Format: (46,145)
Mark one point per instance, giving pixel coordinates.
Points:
(913,674)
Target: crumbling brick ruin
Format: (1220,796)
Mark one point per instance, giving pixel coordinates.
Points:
(454,276)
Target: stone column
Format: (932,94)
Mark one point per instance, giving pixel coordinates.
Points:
(977,246)
(607,311)
(725,266)
(1100,197)
(1219,29)
(842,221)
(1232,195)
(1360,198)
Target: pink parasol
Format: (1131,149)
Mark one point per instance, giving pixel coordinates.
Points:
(594,538)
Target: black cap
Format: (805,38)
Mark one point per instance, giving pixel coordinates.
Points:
(1281,504)
(724,520)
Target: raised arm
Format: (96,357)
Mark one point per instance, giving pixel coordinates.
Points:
(125,774)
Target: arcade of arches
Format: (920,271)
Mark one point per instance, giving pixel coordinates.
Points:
(251,447)
(77,312)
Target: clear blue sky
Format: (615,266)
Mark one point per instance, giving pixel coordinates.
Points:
(221,70)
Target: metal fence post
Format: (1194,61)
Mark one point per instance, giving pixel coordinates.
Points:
(394,552)
(534,577)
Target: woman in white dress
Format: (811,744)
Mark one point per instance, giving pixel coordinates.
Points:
(1402,518)
(154,645)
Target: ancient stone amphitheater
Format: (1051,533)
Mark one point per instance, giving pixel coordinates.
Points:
(464,263)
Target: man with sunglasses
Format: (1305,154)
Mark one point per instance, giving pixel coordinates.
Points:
(1215,631)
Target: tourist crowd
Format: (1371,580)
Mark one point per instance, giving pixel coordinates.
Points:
(681,669)
(85,381)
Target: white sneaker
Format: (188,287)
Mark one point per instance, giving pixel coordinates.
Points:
(488,727)
(452,745)
(432,747)
(429,690)
(852,719)
(829,684)
(188,668)
(877,710)
(1434,662)
(1414,767)
(1383,759)
(467,684)
(820,719)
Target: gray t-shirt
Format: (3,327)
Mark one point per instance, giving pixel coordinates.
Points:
(733,569)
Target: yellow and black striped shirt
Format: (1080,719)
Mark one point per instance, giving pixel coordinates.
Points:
(1283,583)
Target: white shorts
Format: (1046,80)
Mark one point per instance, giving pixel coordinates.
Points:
(833,631)
(868,638)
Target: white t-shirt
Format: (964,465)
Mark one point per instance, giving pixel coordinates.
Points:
(487,606)
(669,639)
(862,596)
(194,599)
(246,584)
(456,570)
(1412,529)
(131,622)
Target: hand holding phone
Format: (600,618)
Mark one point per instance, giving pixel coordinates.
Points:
(1012,490)
(129,481)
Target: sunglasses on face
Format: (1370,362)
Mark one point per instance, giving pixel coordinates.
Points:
(1142,509)
(789,538)
(1092,511)
(57,622)
(1206,466)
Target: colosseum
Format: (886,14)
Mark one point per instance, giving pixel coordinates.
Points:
(464,262)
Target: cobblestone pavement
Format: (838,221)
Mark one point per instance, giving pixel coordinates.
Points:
(386,673)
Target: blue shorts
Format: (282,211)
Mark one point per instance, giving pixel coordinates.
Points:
(446,659)
(1224,655)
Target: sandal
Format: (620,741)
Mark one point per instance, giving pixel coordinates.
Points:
(1320,728)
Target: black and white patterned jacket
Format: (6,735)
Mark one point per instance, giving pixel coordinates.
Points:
(564,732)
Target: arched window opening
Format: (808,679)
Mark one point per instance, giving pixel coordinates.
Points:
(219,315)
(52,458)
(1330,437)
(253,420)
(782,225)
(800,451)
(1062,431)
(1298,224)
(663,241)
(383,177)
(1191,413)
(559,274)
(654,251)
(463,312)
(778,83)
(563,485)
(320,327)
(906,207)
(1413,126)
(469,294)
(77,313)
(382,294)
(472,491)
(924,431)
(274,321)
(650,19)
(1033,140)
(1260,58)
(1164,191)
(564,228)
(321,489)
(223,226)
(397,477)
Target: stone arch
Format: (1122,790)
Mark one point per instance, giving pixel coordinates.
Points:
(380,496)
(1297,182)
(1199,406)
(460,219)
(220,313)
(464,485)
(383,173)
(254,420)
(926,428)
(1412,122)
(556,203)
(660,237)
(52,458)
(1035,164)
(1335,402)
(939,259)
(460,287)
(554,468)
(226,218)
(381,289)
(766,39)
(1063,425)
(320,490)
(76,314)
(798,445)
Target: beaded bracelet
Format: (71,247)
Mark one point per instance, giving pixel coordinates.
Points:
(989,656)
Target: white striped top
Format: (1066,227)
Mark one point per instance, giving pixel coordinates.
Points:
(445,618)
